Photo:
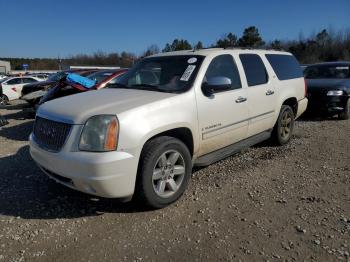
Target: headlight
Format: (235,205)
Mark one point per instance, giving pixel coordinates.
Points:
(335,93)
(100,134)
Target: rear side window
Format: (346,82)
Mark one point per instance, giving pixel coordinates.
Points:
(15,81)
(285,66)
(254,69)
(224,65)
(29,80)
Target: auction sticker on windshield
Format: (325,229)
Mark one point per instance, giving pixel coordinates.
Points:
(188,72)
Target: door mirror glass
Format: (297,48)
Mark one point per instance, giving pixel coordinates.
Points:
(216,84)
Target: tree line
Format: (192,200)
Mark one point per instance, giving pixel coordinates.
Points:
(326,45)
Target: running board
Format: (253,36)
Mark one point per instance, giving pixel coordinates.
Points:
(220,154)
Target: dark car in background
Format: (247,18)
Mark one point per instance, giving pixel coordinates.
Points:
(103,78)
(32,93)
(329,89)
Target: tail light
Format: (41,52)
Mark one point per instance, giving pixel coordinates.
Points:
(305,87)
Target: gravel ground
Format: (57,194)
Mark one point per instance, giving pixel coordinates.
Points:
(288,203)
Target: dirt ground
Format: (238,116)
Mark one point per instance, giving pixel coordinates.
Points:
(288,203)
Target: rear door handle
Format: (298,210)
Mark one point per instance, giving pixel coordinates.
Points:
(269,92)
(241,99)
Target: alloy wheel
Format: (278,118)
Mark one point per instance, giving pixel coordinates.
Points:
(286,124)
(168,173)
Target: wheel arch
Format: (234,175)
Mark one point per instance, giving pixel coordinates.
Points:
(184,134)
(293,103)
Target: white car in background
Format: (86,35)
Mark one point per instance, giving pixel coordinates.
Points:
(12,87)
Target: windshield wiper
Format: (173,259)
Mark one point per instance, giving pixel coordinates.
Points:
(149,87)
(117,85)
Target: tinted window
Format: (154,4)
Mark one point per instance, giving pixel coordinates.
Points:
(254,69)
(14,81)
(224,65)
(29,80)
(285,66)
(327,71)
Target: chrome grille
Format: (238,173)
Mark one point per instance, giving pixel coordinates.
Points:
(50,135)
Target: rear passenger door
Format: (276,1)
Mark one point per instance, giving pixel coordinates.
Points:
(223,117)
(15,84)
(261,94)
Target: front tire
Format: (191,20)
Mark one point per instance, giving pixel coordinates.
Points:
(283,130)
(4,100)
(164,172)
(345,114)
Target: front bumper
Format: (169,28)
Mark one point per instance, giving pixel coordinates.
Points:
(109,174)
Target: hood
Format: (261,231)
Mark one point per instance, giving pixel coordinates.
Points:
(76,109)
(327,84)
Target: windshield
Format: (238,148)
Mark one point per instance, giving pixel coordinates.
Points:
(100,76)
(174,74)
(327,71)
(56,77)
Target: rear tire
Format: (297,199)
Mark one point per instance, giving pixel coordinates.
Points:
(164,172)
(345,114)
(283,129)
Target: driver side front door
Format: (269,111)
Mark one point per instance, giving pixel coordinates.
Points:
(223,117)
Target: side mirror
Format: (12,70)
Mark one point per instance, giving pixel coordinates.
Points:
(216,84)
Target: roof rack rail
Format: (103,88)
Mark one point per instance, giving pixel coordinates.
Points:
(252,48)
(238,48)
(205,48)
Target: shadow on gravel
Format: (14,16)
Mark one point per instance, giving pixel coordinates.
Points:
(20,115)
(27,193)
(316,118)
(15,106)
(19,132)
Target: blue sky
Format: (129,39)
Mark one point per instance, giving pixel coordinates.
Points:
(62,28)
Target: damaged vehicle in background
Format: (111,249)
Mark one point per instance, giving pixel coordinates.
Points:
(32,93)
(328,89)
(103,78)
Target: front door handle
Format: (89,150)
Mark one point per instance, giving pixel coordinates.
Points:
(269,92)
(241,99)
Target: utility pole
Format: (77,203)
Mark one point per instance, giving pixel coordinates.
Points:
(59,63)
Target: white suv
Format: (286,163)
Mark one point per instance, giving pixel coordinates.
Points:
(168,113)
